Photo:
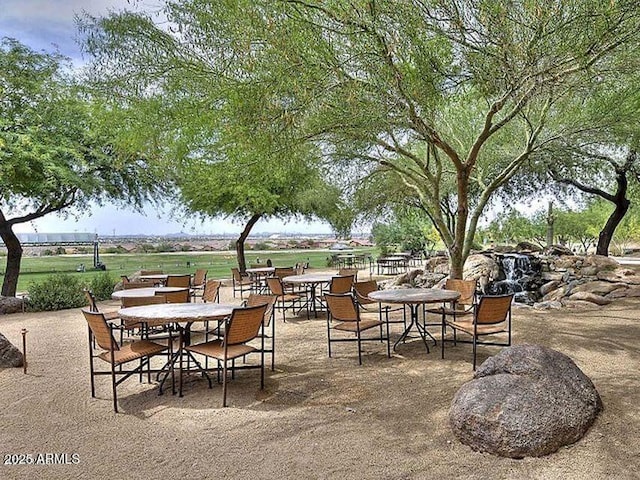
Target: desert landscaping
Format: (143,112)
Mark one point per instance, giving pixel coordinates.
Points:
(318,417)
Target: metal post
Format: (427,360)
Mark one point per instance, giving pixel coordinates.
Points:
(24,350)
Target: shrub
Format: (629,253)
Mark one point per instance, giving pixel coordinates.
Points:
(56,292)
(102,285)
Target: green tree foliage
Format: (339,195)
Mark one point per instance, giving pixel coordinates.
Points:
(221,130)
(511,226)
(408,231)
(55,152)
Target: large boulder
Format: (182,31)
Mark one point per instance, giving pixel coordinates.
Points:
(482,268)
(528,400)
(10,356)
(11,305)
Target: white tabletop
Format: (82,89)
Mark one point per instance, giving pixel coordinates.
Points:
(261,270)
(414,295)
(164,313)
(309,278)
(144,292)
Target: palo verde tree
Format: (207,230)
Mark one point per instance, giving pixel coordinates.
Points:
(250,190)
(55,154)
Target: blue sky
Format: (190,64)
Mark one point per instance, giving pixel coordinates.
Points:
(49,25)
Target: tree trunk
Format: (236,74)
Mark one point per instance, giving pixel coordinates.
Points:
(456,264)
(606,234)
(14,257)
(242,263)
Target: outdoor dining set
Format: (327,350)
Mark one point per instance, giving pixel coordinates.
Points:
(161,314)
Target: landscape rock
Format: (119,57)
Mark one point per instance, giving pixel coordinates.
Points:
(555,305)
(528,400)
(557,250)
(597,287)
(627,292)
(482,268)
(600,262)
(438,264)
(590,297)
(527,247)
(10,356)
(549,286)
(10,305)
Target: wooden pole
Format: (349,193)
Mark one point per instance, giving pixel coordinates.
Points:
(24,351)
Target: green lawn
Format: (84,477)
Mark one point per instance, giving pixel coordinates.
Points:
(218,264)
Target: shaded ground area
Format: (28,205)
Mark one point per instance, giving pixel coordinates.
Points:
(317,417)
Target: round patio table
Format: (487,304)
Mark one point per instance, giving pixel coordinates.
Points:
(414,297)
(143,292)
(259,277)
(313,280)
(173,314)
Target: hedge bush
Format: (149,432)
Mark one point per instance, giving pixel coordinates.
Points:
(56,292)
(102,286)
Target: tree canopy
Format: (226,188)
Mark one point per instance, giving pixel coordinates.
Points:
(55,150)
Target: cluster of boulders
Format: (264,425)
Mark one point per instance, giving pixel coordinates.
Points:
(566,280)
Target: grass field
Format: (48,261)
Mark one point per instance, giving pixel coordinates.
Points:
(218,264)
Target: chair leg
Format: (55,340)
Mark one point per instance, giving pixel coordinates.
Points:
(474,352)
(262,369)
(359,347)
(224,383)
(273,344)
(113,386)
(443,334)
(180,363)
(388,343)
(93,384)
(329,337)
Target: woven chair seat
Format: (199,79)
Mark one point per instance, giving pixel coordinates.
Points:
(353,326)
(215,349)
(133,351)
(467,327)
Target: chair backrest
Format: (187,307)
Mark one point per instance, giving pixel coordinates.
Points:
(493,309)
(211,291)
(124,279)
(282,272)
(100,330)
(467,289)
(200,277)
(237,276)
(244,324)
(91,300)
(256,299)
(178,296)
(341,284)
(275,285)
(344,272)
(256,265)
(178,281)
(139,301)
(299,268)
(342,307)
(363,289)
